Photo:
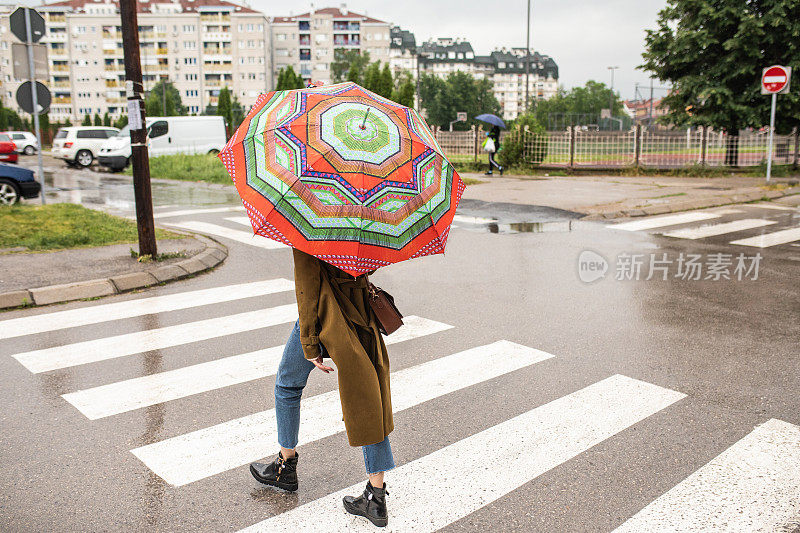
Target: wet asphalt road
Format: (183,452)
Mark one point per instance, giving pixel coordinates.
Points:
(730,346)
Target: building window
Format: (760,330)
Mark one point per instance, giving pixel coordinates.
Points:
(188,28)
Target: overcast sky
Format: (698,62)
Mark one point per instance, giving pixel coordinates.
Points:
(583,36)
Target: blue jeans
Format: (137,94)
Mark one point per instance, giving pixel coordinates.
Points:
(293,372)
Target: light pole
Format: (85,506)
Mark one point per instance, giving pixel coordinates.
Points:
(528,58)
(611,98)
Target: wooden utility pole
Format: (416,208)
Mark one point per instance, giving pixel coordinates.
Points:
(136,120)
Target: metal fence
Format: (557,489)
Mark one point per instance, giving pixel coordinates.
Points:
(660,149)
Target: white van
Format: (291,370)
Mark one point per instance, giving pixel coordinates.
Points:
(167,135)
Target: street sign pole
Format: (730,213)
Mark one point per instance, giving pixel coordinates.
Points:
(771,128)
(136,121)
(32,78)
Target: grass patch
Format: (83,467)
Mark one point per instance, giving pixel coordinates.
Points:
(197,167)
(472,181)
(59,226)
(147,258)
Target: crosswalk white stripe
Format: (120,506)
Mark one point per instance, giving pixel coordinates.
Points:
(244,221)
(719,229)
(28,325)
(473,220)
(197,455)
(245,237)
(105,348)
(770,206)
(187,212)
(752,486)
(492,463)
(771,239)
(668,220)
(123,396)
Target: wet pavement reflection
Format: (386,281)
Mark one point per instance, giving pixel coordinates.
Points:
(115,193)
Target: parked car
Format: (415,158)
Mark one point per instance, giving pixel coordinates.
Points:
(167,135)
(79,145)
(17,182)
(25,141)
(8,150)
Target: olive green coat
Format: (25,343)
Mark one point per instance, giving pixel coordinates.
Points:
(334,311)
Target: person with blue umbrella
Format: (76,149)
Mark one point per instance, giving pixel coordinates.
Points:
(492,142)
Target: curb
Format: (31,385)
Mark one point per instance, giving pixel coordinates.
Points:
(688,205)
(214,254)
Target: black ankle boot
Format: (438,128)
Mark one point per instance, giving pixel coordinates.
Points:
(371,504)
(281,473)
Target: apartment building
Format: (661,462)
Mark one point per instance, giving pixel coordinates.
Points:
(402,51)
(504,67)
(199,45)
(307,41)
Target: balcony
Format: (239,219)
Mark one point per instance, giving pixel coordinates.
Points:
(60,84)
(113,67)
(305,40)
(114,52)
(346,40)
(161,51)
(57,36)
(112,35)
(62,100)
(60,68)
(116,100)
(56,19)
(217,17)
(58,51)
(218,67)
(304,25)
(113,83)
(305,54)
(216,36)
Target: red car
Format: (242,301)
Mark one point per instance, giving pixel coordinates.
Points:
(8,150)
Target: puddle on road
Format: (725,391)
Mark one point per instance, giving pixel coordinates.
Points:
(115,194)
(530,227)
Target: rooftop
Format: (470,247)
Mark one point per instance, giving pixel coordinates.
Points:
(149,6)
(335,12)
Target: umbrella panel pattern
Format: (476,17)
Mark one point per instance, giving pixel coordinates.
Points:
(345,175)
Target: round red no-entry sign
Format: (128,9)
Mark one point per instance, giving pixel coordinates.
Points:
(774,79)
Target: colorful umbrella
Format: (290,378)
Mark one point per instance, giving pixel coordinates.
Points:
(345,175)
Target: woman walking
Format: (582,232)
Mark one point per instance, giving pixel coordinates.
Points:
(335,321)
(494,135)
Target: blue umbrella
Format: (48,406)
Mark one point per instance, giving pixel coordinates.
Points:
(494,120)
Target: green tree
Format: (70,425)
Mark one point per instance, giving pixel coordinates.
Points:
(164,92)
(348,65)
(385,82)
(512,149)
(106,119)
(404,94)
(577,106)
(287,80)
(372,77)
(87,121)
(442,99)
(9,119)
(712,53)
(121,122)
(97,120)
(224,106)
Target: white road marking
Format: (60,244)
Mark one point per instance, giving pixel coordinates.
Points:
(726,211)
(102,349)
(245,237)
(752,486)
(244,221)
(197,455)
(770,206)
(771,239)
(123,396)
(472,220)
(668,220)
(719,229)
(17,327)
(489,464)
(187,212)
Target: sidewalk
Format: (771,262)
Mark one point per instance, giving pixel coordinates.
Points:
(43,278)
(603,197)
